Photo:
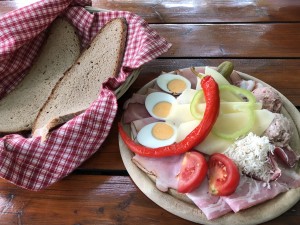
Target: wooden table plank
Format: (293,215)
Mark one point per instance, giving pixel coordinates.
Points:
(283,74)
(231,40)
(195,11)
(85,199)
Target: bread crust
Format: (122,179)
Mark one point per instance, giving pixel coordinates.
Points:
(42,129)
(21,106)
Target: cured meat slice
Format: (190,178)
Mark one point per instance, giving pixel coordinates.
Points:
(212,206)
(289,177)
(251,192)
(287,155)
(137,125)
(136,98)
(165,169)
(135,111)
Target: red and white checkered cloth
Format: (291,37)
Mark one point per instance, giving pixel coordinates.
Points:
(27,162)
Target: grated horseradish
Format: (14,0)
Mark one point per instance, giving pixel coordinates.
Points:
(250,154)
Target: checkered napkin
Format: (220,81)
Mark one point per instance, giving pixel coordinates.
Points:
(28,162)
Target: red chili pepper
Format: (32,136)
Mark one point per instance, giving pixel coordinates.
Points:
(212,98)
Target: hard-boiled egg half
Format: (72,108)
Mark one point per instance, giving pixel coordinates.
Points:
(164,107)
(157,134)
(159,104)
(172,83)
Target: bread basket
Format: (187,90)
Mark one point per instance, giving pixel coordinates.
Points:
(26,161)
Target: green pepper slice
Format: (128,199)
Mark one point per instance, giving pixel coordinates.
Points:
(249,110)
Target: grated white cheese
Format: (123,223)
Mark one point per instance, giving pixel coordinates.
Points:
(250,154)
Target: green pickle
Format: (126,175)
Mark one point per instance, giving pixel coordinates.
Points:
(225,68)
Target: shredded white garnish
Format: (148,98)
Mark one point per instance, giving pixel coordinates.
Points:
(250,154)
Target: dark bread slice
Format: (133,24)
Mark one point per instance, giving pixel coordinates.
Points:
(81,84)
(20,107)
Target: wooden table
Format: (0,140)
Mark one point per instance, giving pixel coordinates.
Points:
(262,38)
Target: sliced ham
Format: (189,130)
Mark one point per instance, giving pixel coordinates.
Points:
(137,125)
(212,206)
(165,169)
(275,170)
(155,88)
(287,155)
(140,98)
(251,192)
(289,177)
(136,98)
(237,80)
(135,111)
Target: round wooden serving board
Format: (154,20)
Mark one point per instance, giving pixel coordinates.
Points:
(180,206)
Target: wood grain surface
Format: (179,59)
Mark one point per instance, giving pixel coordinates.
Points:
(194,11)
(261,38)
(87,199)
(231,40)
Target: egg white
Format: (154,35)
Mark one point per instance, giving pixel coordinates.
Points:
(163,80)
(145,137)
(156,97)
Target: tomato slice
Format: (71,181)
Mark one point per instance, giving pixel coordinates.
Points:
(224,175)
(192,172)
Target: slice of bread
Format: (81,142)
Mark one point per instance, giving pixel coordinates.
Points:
(82,83)
(20,107)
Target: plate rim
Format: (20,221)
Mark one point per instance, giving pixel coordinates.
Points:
(267,210)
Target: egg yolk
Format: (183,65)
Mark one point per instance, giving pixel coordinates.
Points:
(162,131)
(176,86)
(162,109)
